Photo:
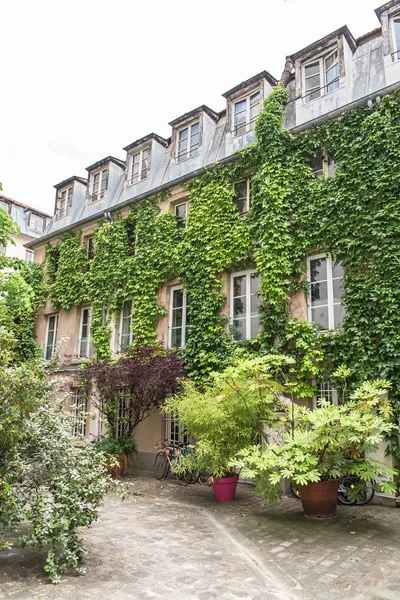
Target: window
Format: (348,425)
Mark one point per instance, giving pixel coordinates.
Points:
(90,248)
(326,281)
(325,392)
(174,430)
(126,336)
(188,141)
(99,185)
(179,318)
(78,412)
(396,38)
(242,195)
(245,303)
(36,223)
(139,165)
(29,256)
(323,164)
(64,202)
(84,349)
(321,76)
(181,214)
(5,206)
(51,336)
(245,113)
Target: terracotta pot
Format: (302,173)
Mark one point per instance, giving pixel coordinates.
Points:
(319,499)
(225,488)
(117,470)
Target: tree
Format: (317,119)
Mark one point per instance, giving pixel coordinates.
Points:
(126,390)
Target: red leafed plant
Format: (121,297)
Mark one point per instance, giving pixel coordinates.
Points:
(126,390)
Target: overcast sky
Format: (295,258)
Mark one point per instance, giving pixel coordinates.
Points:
(81,79)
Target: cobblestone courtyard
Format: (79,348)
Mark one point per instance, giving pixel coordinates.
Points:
(165,541)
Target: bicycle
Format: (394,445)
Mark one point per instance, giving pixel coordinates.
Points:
(164,461)
(351,491)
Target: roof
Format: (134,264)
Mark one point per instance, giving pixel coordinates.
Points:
(70,180)
(25,206)
(104,161)
(385,7)
(370,34)
(325,40)
(147,138)
(203,108)
(263,75)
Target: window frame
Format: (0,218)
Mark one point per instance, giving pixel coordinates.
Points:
(184,325)
(330,389)
(101,192)
(180,157)
(63,204)
(248,317)
(90,243)
(78,408)
(31,255)
(249,124)
(88,339)
(330,294)
(121,321)
(181,220)
(54,345)
(396,50)
(178,436)
(321,60)
(36,216)
(131,163)
(248,190)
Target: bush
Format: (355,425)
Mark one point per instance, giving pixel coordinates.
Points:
(116,446)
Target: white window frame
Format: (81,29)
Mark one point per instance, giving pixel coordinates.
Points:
(184,316)
(35,218)
(248,189)
(248,317)
(396,51)
(78,411)
(88,339)
(321,60)
(183,221)
(31,255)
(121,321)
(189,152)
(330,303)
(178,436)
(102,187)
(249,124)
(5,206)
(64,201)
(142,173)
(88,241)
(325,389)
(54,345)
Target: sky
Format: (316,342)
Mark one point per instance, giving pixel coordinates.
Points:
(82,79)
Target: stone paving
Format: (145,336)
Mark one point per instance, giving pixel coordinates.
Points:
(167,541)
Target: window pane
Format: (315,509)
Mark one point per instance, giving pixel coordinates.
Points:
(239,329)
(255,106)
(176,337)
(195,129)
(254,283)
(337,290)
(177,298)
(320,317)
(318,269)
(338,312)
(177,317)
(239,119)
(239,306)
(319,293)
(311,70)
(180,213)
(127,308)
(240,188)
(254,326)
(239,285)
(255,305)
(313,95)
(397,35)
(337,270)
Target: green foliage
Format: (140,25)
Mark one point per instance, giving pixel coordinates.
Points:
(116,446)
(327,443)
(66,264)
(230,413)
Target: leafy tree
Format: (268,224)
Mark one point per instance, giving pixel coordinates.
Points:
(141,380)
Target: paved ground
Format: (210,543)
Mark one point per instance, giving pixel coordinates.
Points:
(168,542)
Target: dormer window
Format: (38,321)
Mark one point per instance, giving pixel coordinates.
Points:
(396,37)
(245,113)
(36,223)
(188,141)
(321,76)
(99,185)
(139,165)
(64,202)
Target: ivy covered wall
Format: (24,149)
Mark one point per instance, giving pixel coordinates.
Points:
(354,216)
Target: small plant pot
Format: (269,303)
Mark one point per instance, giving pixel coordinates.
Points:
(116,471)
(319,499)
(225,488)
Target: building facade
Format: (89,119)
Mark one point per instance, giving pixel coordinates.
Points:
(324,80)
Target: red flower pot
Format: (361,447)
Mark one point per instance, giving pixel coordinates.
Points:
(319,499)
(225,488)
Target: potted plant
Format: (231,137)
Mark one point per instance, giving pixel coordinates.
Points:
(226,416)
(116,449)
(327,443)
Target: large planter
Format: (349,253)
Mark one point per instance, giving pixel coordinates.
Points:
(225,488)
(319,499)
(117,470)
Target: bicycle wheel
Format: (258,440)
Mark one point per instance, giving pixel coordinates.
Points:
(346,486)
(294,489)
(204,478)
(160,465)
(366,491)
